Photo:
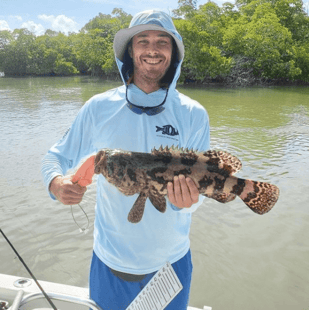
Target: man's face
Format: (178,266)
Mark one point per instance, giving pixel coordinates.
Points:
(151,52)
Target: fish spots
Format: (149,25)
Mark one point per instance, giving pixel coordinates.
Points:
(120,174)
(184,171)
(222,197)
(117,165)
(165,159)
(222,162)
(131,174)
(187,161)
(215,169)
(205,182)
(152,174)
(219,183)
(239,187)
(122,162)
(252,195)
(262,198)
(213,160)
(188,158)
(110,168)
(157,200)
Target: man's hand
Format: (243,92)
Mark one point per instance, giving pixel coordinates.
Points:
(183,192)
(67,192)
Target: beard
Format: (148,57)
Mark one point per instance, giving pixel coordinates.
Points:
(150,73)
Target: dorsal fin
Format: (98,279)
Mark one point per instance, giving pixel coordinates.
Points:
(223,160)
(162,151)
(172,150)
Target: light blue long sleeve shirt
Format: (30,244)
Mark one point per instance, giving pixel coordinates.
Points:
(106,122)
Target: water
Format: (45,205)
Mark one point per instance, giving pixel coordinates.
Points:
(241,260)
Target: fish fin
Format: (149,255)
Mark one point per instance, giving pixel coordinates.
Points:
(137,211)
(155,152)
(173,150)
(260,197)
(222,197)
(222,161)
(158,202)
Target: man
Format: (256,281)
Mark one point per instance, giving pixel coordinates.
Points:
(144,113)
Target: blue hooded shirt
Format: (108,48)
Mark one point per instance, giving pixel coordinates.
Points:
(105,121)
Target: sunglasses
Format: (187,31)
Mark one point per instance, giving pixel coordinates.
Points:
(147,110)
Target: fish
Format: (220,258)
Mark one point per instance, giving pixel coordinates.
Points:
(168,130)
(147,174)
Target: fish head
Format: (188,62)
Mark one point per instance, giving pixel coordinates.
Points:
(100,162)
(112,163)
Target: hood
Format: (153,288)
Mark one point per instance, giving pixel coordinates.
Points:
(149,20)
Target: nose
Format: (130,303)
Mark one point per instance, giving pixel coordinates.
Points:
(153,49)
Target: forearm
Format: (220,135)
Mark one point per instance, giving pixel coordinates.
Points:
(52,167)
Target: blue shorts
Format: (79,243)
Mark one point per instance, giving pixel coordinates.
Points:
(112,292)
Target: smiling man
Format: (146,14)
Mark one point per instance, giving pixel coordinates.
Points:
(146,112)
(151,52)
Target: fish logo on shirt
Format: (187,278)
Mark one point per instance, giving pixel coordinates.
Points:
(168,130)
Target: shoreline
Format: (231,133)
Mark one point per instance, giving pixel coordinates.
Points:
(219,82)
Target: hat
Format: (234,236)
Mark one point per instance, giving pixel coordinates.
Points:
(147,20)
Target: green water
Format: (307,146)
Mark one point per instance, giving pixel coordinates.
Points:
(241,260)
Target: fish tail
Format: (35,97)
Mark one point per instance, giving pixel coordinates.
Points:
(260,197)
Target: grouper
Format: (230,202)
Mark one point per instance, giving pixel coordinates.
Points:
(148,174)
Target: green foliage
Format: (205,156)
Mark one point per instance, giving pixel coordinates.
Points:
(201,58)
(251,39)
(94,49)
(54,53)
(63,67)
(259,35)
(14,56)
(302,61)
(186,8)
(6,38)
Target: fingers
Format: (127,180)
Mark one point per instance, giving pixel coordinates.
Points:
(171,193)
(183,192)
(194,192)
(70,196)
(67,192)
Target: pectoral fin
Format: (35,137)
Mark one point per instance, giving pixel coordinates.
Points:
(159,202)
(137,211)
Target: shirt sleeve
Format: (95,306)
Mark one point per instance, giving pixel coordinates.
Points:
(199,140)
(66,154)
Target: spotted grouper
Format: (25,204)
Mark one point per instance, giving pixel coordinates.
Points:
(148,174)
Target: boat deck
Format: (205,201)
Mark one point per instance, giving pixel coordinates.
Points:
(64,296)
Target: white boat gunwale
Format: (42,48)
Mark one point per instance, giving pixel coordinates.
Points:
(8,291)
